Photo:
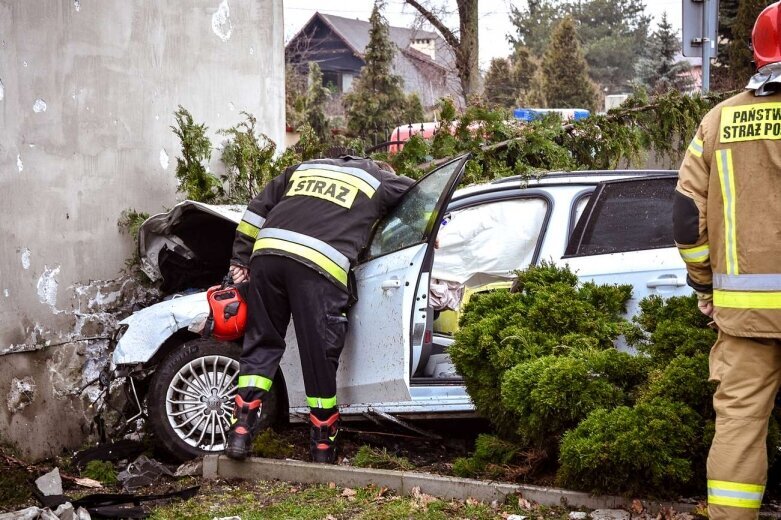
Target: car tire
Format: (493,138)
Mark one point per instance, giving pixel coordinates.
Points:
(190,398)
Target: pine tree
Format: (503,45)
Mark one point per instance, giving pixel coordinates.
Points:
(739,56)
(316,97)
(565,71)
(499,88)
(658,70)
(524,68)
(612,34)
(377,102)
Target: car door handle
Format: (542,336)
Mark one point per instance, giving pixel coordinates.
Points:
(666,280)
(393,283)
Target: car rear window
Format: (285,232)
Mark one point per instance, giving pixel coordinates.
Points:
(627,215)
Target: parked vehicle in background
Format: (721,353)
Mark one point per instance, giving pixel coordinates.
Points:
(403,133)
(609,226)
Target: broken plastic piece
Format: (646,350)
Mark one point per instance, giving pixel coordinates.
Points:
(142,472)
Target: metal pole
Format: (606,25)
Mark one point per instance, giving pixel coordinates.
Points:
(706,44)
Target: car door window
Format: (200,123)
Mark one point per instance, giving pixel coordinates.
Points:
(413,219)
(489,239)
(626,215)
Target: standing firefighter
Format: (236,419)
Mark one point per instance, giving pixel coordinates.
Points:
(297,242)
(727,223)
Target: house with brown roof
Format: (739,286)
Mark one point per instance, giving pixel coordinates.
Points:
(423,59)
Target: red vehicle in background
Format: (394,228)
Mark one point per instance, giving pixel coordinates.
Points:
(403,133)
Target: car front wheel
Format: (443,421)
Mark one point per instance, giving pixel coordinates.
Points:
(190,398)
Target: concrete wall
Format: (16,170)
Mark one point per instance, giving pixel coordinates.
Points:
(87,92)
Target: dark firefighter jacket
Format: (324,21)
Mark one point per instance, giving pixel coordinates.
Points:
(727,213)
(319,213)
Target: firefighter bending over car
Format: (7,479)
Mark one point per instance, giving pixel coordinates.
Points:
(296,244)
(727,224)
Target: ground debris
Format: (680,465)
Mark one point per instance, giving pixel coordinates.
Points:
(142,472)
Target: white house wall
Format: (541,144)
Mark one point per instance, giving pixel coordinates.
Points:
(87,93)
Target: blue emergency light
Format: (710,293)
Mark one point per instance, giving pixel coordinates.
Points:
(567,114)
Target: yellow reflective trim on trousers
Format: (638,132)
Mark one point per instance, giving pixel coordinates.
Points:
(307,253)
(747,300)
(746,503)
(696,147)
(321,402)
(727,181)
(255,382)
(736,486)
(346,178)
(248,229)
(695,255)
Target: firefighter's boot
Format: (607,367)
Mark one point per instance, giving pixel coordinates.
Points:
(246,415)
(322,445)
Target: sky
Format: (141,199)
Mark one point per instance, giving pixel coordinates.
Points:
(494,24)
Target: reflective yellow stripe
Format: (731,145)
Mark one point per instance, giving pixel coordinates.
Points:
(321,402)
(736,486)
(695,147)
(305,252)
(727,180)
(735,494)
(746,503)
(255,382)
(747,300)
(695,255)
(248,229)
(352,180)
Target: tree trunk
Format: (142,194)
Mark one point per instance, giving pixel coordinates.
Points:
(467,53)
(465,47)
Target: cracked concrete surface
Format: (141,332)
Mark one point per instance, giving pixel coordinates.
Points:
(88,91)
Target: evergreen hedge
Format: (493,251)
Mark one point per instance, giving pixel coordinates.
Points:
(540,363)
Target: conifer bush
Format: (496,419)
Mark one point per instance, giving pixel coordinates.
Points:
(642,449)
(552,394)
(547,313)
(539,362)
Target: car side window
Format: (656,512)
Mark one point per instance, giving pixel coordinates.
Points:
(411,221)
(627,215)
(489,239)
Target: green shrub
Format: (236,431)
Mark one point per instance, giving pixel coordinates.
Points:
(551,394)
(271,445)
(368,457)
(645,449)
(547,313)
(490,458)
(684,380)
(102,471)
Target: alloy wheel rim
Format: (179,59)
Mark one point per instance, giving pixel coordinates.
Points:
(199,401)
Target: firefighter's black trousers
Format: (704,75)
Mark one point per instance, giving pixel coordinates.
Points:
(281,287)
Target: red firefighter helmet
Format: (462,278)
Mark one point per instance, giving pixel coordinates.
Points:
(766,36)
(228,316)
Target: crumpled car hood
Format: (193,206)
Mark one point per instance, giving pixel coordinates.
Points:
(188,246)
(148,328)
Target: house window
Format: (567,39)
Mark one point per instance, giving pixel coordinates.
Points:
(332,80)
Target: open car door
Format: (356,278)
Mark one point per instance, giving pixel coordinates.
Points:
(387,326)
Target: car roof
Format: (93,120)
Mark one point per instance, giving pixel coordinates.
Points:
(558,178)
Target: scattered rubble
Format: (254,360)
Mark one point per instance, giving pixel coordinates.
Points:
(142,472)
(50,484)
(610,514)
(21,394)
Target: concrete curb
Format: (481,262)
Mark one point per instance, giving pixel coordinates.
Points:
(403,482)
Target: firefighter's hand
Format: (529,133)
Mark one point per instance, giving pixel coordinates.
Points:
(706,307)
(705,303)
(238,273)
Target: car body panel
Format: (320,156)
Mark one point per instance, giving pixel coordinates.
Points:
(383,346)
(147,329)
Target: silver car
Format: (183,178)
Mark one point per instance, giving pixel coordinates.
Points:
(609,226)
